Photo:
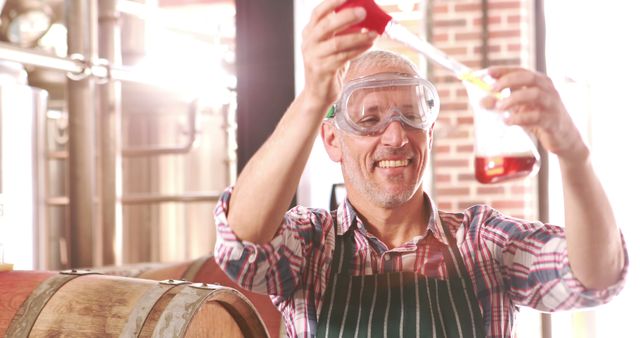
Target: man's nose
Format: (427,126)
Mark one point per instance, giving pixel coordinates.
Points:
(394,135)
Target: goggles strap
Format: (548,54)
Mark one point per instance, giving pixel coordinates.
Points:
(331,113)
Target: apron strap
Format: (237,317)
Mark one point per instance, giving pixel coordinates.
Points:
(461,271)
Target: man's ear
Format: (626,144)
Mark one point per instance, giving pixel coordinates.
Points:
(331,142)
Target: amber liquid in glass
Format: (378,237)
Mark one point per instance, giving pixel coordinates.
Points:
(496,169)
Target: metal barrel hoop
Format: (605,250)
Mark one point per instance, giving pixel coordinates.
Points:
(29,311)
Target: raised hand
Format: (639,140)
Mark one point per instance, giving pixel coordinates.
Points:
(535,105)
(328,45)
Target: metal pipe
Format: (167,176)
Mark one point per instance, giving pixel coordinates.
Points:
(484,47)
(37,58)
(543,175)
(41,215)
(229,127)
(57,201)
(138,199)
(231,145)
(58,155)
(82,143)
(158,198)
(110,116)
(76,65)
(155,151)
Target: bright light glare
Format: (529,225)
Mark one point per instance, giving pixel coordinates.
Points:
(55,40)
(190,67)
(17,220)
(602,59)
(185,52)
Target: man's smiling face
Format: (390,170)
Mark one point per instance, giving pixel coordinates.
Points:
(384,169)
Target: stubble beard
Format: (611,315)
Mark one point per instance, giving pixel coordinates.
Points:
(373,191)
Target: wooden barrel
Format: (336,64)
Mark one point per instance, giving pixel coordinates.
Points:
(202,270)
(77,304)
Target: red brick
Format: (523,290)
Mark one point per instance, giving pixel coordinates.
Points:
(512,33)
(461,93)
(440,9)
(455,106)
(453,191)
(514,47)
(506,62)
(465,148)
(491,190)
(444,93)
(472,63)
(450,23)
(442,149)
(492,20)
(442,178)
(491,49)
(465,120)
(514,19)
(468,36)
(444,119)
(468,204)
(455,50)
(466,177)
(512,204)
(452,163)
(445,206)
(504,5)
(445,79)
(441,37)
(457,133)
(470,7)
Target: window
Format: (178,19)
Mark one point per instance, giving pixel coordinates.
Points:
(590,56)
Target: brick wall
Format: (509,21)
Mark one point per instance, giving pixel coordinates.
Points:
(456,26)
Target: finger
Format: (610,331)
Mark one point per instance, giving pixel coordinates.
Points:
(497,72)
(323,9)
(532,96)
(338,22)
(340,59)
(524,118)
(345,43)
(522,78)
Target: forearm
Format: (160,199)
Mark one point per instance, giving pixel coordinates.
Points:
(268,182)
(593,240)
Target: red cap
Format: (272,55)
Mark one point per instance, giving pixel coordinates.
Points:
(376,19)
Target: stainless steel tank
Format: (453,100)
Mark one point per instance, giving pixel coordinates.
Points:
(22,109)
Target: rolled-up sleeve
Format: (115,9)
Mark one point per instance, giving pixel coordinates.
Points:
(561,290)
(274,268)
(535,265)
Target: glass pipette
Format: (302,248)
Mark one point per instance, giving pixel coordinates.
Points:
(381,22)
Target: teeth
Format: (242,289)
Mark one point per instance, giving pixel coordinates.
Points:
(393,164)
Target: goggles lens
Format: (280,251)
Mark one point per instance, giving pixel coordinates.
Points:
(367,108)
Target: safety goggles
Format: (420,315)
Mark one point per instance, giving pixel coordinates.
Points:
(369,104)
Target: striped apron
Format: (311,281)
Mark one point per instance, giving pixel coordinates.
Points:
(398,304)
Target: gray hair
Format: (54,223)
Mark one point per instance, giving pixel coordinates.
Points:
(380,58)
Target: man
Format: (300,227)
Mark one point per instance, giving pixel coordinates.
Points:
(387,262)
